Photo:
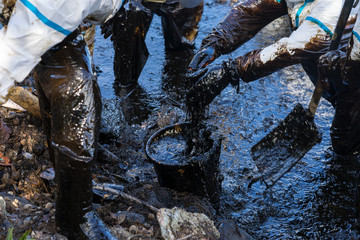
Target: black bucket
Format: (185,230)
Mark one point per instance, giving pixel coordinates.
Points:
(199,175)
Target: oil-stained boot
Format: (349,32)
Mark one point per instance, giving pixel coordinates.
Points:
(345,128)
(179,24)
(129,29)
(75,217)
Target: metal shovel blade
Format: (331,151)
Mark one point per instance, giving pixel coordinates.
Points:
(285,145)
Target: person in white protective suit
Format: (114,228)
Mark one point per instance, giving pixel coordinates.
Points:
(43,35)
(313,23)
(342,68)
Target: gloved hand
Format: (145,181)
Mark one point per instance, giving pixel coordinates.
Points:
(330,68)
(107,28)
(209,83)
(203,58)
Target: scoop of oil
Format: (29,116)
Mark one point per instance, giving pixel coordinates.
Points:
(170,149)
(175,148)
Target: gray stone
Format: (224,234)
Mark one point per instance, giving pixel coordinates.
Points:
(3,212)
(129,217)
(177,223)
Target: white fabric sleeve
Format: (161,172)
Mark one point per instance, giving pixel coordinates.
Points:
(355,50)
(38,25)
(299,40)
(313,35)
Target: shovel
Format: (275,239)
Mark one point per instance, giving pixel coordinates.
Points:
(284,146)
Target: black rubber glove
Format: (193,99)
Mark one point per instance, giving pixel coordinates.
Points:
(330,68)
(209,83)
(203,58)
(107,28)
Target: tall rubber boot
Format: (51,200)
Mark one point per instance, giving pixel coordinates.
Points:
(131,24)
(180,25)
(75,217)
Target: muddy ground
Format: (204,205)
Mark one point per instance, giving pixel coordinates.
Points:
(27,187)
(317,199)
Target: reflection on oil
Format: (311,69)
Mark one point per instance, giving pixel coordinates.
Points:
(134,102)
(315,200)
(337,200)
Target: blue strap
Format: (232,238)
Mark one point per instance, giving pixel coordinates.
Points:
(300,11)
(278,1)
(356,35)
(44,19)
(320,24)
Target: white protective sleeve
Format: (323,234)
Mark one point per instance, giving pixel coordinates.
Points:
(316,26)
(355,51)
(38,25)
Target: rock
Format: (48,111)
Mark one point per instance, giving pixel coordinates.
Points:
(27,221)
(48,206)
(121,233)
(151,216)
(15,204)
(4,132)
(16,121)
(58,237)
(12,154)
(6,179)
(14,174)
(23,141)
(28,207)
(44,236)
(133,229)
(229,230)
(129,217)
(27,155)
(48,174)
(148,186)
(2,209)
(7,224)
(177,223)
(52,212)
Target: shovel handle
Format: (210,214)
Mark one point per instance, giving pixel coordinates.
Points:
(315,99)
(335,42)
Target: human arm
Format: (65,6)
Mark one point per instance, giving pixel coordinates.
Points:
(308,42)
(242,23)
(37,26)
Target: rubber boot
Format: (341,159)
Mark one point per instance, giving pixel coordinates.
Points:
(75,217)
(130,26)
(180,25)
(345,128)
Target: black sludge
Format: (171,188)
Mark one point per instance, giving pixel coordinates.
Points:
(212,81)
(130,27)
(71,106)
(196,171)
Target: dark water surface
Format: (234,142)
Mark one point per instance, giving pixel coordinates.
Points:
(315,200)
